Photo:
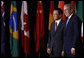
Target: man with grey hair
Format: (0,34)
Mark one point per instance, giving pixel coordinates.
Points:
(72,34)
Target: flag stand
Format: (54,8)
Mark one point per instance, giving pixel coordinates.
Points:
(26,55)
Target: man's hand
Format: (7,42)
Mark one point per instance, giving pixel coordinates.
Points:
(73,51)
(48,51)
(62,53)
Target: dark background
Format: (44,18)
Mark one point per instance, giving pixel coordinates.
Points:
(32,7)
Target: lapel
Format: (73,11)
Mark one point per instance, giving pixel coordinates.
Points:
(53,28)
(58,27)
(70,21)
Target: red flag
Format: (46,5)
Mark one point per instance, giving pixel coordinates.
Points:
(51,19)
(25,28)
(73,3)
(61,5)
(39,27)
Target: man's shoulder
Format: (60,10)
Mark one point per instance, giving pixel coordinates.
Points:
(52,22)
(75,18)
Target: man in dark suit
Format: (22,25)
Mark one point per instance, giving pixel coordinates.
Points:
(55,41)
(72,34)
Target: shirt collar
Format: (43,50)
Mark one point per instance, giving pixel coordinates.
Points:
(57,21)
(70,16)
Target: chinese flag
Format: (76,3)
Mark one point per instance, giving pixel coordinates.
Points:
(39,27)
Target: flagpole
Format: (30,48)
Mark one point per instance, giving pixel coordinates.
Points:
(39,33)
(26,55)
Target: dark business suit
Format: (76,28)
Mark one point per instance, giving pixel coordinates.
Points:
(72,36)
(55,41)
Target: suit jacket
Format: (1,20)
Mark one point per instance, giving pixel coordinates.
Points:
(55,41)
(72,35)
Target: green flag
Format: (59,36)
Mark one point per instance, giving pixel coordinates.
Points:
(80,10)
(80,14)
(13,30)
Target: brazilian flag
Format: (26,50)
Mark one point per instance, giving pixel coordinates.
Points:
(13,30)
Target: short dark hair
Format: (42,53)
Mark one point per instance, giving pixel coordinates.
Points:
(59,10)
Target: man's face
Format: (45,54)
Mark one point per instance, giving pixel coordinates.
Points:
(67,11)
(56,14)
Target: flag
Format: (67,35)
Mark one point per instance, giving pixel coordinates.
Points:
(82,31)
(51,19)
(80,14)
(73,3)
(80,10)
(22,25)
(61,5)
(13,26)
(39,27)
(25,28)
(2,29)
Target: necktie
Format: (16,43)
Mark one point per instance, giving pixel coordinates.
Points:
(67,22)
(55,25)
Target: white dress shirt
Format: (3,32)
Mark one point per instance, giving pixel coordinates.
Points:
(57,21)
